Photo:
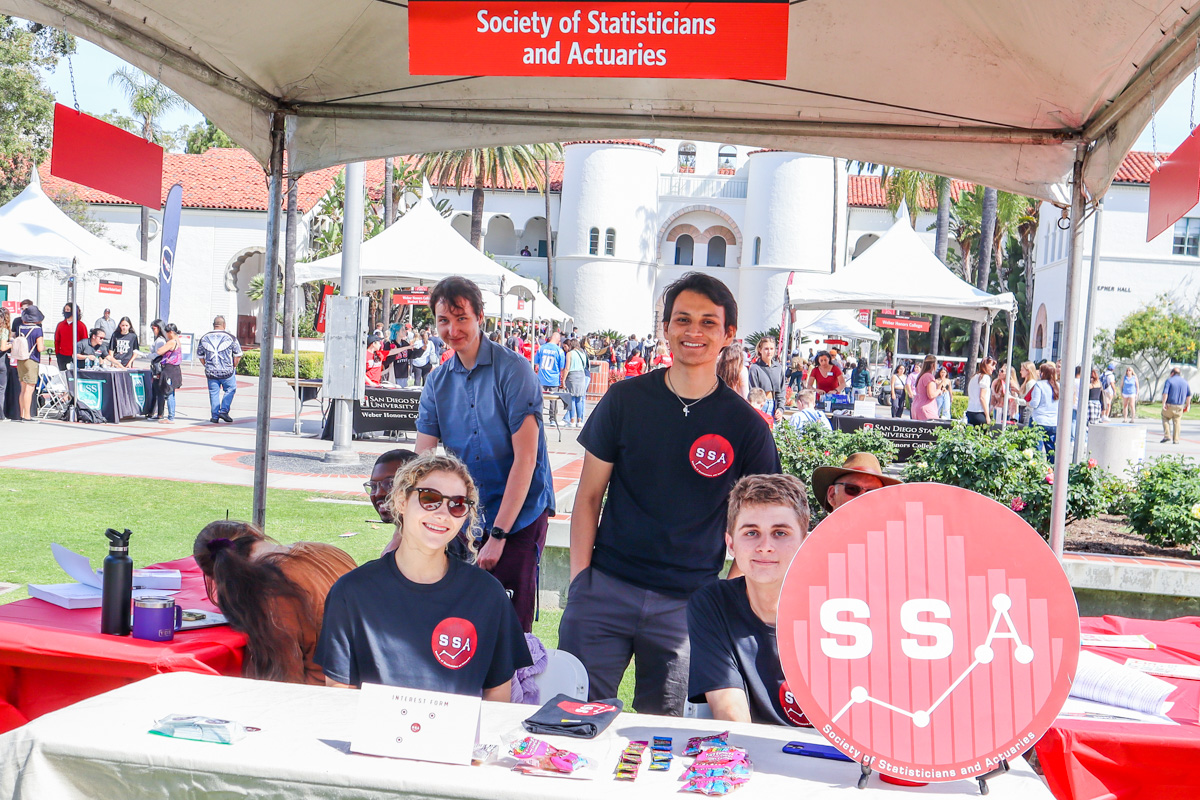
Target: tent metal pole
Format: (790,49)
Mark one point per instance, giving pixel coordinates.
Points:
(1066,388)
(75,315)
(262,429)
(352,233)
(1008,388)
(987,336)
(1088,332)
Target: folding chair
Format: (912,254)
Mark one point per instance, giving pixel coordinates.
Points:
(53,394)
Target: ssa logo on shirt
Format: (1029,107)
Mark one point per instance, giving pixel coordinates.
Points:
(791,709)
(454,642)
(586,709)
(711,455)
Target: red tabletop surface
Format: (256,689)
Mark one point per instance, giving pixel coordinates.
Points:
(51,657)
(1085,759)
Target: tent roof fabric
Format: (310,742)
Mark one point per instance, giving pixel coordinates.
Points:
(897,272)
(540,305)
(1012,100)
(419,248)
(36,234)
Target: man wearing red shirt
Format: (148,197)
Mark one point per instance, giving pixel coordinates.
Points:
(63,346)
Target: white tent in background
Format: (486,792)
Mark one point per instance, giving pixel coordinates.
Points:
(842,324)
(539,305)
(420,248)
(898,272)
(36,235)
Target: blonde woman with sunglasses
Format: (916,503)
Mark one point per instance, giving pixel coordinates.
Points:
(417,618)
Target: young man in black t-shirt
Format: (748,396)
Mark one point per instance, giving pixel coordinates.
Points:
(666,448)
(735,656)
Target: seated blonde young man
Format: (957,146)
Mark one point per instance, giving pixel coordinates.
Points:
(735,657)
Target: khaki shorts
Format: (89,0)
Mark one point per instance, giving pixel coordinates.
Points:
(27,371)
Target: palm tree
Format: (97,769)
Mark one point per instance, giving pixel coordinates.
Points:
(498,166)
(907,186)
(987,230)
(941,248)
(149,101)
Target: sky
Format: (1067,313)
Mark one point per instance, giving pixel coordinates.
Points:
(93,66)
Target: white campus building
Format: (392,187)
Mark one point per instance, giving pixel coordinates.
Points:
(626,218)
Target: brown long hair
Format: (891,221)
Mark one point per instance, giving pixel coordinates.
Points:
(729,366)
(1049,374)
(929,365)
(246,590)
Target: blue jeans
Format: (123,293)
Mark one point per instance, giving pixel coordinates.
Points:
(575,408)
(220,405)
(1050,441)
(171,406)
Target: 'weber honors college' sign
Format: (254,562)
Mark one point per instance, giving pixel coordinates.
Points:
(641,39)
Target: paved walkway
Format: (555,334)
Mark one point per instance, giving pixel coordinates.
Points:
(194,449)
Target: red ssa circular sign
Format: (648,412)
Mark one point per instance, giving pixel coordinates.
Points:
(711,455)
(928,631)
(585,709)
(454,642)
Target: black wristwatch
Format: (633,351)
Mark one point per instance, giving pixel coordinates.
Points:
(499,533)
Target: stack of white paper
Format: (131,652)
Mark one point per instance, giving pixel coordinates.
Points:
(87,591)
(1105,681)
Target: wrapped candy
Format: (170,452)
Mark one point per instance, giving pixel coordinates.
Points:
(712,786)
(698,743)
(529,747)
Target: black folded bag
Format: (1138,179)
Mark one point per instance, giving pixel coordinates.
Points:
(566,716)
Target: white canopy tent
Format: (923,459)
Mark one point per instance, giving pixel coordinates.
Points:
(539,308)
(36,235)
(1032,97)
(840,323)
(897,272)
(420,248)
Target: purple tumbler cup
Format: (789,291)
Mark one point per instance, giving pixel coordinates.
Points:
(156,619)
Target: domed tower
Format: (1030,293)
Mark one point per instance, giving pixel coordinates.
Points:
(790,205)
(605,264)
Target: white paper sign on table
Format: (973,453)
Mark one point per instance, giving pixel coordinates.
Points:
(1105,681)
(1189,671)
(415,724)
(1131,641)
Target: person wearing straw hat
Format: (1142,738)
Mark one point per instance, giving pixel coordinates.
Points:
(859,473)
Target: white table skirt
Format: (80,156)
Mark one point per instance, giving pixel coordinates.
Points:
(100,748)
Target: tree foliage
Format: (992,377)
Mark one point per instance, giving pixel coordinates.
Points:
(26,104)
(149,102)
(74,206)
(1154,336)
(204,135)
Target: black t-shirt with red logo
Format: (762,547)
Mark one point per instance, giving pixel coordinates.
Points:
(459,635)
(663,523)
(733,649)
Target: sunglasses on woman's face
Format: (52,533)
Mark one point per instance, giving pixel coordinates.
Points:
(432,499)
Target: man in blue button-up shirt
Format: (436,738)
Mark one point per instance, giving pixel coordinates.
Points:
(484,404)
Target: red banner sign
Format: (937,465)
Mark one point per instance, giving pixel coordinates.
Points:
(640,39)
(864,316)
(416,296)
(928,632)
(902,323)
(1174,187)
(326,292)
(92,152)
(110,287)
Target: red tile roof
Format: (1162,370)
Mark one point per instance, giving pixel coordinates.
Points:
(866,191)
(1137,167)
(637,142)
(221,178)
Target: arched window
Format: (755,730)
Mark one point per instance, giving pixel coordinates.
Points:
(716,251)
(594,242)
(726,159)
(1039,338)
(757,248)
(687,158)
(610,242)
(683,250)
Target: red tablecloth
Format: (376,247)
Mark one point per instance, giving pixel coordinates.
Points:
(1084,759)
(51,657)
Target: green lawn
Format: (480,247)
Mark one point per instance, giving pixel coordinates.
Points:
(165,516)
(1154,410)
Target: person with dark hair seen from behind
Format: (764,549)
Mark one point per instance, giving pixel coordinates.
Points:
(658,541)
(731,624)
(219,352)
(925,400)
(274,594)
(1176,401)
(171,377)
(485,406)
(417,618)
